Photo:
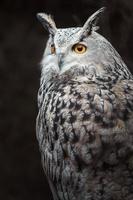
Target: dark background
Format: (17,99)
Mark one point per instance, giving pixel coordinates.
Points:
(22,41)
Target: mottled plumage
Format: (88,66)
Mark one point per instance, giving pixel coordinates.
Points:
(85,119)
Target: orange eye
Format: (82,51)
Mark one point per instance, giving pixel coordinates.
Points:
(53,50)
(79,48)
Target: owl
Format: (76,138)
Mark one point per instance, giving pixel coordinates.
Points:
(85,120)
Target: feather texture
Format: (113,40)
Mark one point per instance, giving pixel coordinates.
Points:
(85,121)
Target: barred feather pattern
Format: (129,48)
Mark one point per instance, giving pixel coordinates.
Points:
(85,121)
(85,131)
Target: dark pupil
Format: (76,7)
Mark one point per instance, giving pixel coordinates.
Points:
(80,48)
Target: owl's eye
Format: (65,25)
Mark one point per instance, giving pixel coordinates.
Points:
(79,48)
(53,50)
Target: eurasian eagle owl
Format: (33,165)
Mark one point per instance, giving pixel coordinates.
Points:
(85,119)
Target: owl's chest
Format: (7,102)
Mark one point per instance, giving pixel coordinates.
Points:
(80,127)
(70,106)
(73,106)
(75,115)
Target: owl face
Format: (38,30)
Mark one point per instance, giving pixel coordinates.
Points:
(81,49)
(73,47)
(72,50)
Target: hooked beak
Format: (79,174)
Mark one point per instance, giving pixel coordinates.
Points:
(60,59)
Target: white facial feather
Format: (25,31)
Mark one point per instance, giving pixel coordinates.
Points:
(99,52)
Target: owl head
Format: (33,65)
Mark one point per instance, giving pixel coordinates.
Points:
(81,50)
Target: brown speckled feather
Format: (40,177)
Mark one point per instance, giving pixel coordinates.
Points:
(85,119)
(88,139)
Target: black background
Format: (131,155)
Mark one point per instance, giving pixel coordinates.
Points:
(22,41)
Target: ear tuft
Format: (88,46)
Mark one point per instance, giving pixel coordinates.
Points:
(47,22)
(91,24)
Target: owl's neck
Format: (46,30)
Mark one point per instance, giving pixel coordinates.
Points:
(92,73)
(96,73)
(54,79)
